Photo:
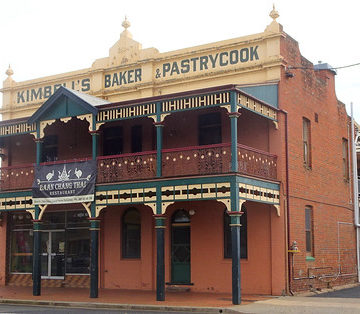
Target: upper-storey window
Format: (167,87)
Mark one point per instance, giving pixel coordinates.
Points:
(345,158)
(136,138)
(209,128)
(50,148)
(307,142)
(113,141)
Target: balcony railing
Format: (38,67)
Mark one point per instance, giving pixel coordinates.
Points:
(198,160)
(257,163)
(126,167)
(16,177)
(185,161)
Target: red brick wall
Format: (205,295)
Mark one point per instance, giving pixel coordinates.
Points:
(323,186)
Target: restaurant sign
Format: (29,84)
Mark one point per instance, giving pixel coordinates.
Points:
(64,183)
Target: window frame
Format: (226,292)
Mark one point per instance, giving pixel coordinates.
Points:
(345,158)
(204,126)
(309,231)
(107,138)
(137,138)
(124,235)
(50,148)
(307,158)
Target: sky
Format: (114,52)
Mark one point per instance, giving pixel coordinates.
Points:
(44,37)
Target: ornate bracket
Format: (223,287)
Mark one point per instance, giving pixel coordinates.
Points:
(98,125)
(43,125)
(152,206)
(42,210)
(227,203)
(227,107)
(88,118)
(98,209)
(277,207)
(276,124)
(32,213)
(164,206)
(87,208)
(241,202)
(65,120)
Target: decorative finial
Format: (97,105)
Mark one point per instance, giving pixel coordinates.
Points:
(274,14)
(9,71)
(126,24)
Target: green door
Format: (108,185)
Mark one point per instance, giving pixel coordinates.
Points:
(180,248)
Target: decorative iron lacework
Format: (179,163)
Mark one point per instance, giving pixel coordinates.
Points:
(255,193)
(17,128)
(195,102)
(126,112)
(17,202)
(253,105)
(126,196)
(195,191)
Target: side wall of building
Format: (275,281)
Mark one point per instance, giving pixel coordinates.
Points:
(321,185)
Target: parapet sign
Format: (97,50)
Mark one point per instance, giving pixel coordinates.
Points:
(130,72)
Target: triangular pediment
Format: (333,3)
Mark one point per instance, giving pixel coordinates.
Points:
(66,102)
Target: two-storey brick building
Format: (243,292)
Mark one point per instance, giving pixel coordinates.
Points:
(222,167)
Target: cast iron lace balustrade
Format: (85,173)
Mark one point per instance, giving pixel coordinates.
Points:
(184,161)
(17,177)
(198,160)
(126,167)
(257,163)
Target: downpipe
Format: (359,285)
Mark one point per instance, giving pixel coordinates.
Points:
(355,189)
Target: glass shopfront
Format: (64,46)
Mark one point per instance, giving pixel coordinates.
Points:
(65,243)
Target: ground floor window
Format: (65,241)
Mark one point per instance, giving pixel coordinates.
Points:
(243,234)
(65,243)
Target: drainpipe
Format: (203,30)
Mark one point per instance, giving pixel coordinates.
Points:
(355,188)
(287,198)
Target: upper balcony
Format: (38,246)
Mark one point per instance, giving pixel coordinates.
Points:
(178,162)
(195,138)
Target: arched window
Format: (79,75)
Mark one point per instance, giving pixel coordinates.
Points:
(180,216)
(243,234)
(131,234)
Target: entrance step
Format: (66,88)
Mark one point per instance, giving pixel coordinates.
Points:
(178,287)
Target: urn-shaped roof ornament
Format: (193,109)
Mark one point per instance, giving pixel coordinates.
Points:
(9,80)
(274,14)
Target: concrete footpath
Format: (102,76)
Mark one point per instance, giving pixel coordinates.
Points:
(123,300)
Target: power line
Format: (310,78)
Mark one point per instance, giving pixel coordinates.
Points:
(290,67)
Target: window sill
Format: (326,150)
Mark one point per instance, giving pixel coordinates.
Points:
(310,259)
(307,167)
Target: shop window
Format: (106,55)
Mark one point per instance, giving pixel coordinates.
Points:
(307,142)
(243,234)
(113,141)
(50,148)
(309,235)
(209,128)
(78,251)
(76,243)
(131,234)
(345,158)
(136,139)
(21,243)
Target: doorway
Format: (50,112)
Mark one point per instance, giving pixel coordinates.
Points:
(180,248)
(53,254)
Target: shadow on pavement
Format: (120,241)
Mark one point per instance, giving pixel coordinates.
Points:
(344,293)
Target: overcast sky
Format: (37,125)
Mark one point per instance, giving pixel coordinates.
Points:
(44,37)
